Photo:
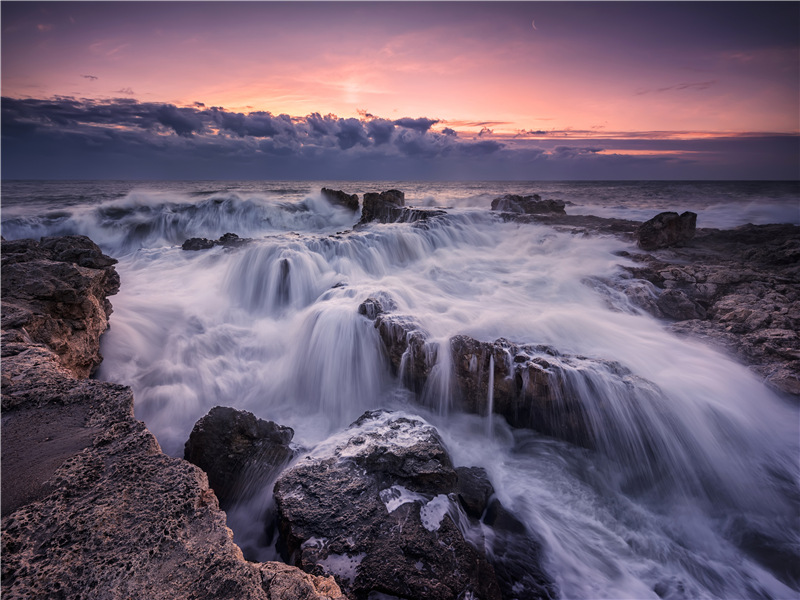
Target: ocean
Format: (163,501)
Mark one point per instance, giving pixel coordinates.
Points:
(273,327)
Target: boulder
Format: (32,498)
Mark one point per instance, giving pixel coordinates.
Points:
(373,509)
(91,507)
(340,198)
(528,205)
(55,293)
(381,508)
(238,451)
(667,229)
(389,207)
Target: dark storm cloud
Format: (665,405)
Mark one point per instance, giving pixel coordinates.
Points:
(66,137)
(421,125)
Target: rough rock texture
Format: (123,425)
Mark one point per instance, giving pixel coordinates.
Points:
(528,205)
(54,293)
(377,507)
(738,289)
(235,448)
(96,509)
(389,207)
(227,240)
(340,198)
(667,229)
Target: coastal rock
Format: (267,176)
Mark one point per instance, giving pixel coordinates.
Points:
(55,294)
(528,205)
(91,507)
(404,340)
(381,507)
(340,198)
(389,207)
(667,229)
(530,386)
(227,240)
(237,451)
(736,289)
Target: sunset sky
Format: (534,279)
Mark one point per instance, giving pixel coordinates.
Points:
(406,90)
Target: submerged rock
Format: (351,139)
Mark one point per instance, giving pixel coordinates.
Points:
(378,507)
(227,240)
(667,229)
(528,205)
(235,449)
(340,198)
(91,507)
(389,207)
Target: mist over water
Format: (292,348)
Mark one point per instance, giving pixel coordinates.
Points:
(695,456)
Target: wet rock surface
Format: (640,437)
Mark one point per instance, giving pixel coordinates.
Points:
(97,510)
(227,240)
(378,507)
(737,289)
(389,207)
(340,198)
(238,451)
(528,205)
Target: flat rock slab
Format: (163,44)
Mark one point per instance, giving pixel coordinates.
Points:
(35,442)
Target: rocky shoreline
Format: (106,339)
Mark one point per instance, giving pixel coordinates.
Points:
(91,507)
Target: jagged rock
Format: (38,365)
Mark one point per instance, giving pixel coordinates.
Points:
(404,340)
(235,448)
(91,507)
(55,294)
(389,207)
(667,229)
(528,205)
(340,198)
(227,240)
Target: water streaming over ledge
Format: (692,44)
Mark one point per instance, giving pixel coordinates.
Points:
(695,472)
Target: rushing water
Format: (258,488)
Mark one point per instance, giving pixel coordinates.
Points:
(706,508)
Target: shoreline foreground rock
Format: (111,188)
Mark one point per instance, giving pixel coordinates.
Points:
(91,506)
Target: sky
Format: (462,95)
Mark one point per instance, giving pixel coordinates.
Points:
(400,90)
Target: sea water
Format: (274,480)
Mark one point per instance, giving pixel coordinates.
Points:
(273,328)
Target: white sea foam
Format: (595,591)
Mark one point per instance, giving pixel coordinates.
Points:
(692,445)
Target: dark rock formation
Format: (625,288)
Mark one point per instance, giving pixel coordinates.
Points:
(389,207)
(91,507)
(404,340)
(235,448)
(738,289)
(228,240)
(528,205)
(667,229)
(54,293)
(378,509)
(532,386)
(340,198)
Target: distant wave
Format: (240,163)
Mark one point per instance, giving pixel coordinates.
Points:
(149,219)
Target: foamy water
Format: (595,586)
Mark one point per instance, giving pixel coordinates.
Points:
(693,449)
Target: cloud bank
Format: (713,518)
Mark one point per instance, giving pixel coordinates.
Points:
(69,138)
